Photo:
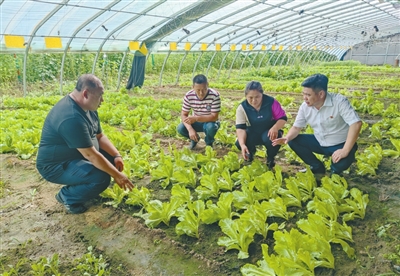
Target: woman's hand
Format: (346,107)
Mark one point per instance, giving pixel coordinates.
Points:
(273,133)
(280,141)
(245,152)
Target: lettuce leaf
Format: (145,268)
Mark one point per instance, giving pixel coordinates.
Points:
(240,234)
(190,219)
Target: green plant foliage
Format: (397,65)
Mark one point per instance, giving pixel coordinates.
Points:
(158,211)
(90,264)
(240,234)
(116,193)
(190,219)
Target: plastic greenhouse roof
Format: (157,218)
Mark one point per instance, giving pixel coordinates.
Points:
(120,25)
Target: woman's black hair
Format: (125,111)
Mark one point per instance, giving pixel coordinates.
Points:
(253,85)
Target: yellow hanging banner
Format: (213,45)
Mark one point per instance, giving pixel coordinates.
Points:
(233,47)
(173,46)
(280,47)
(14,41)
(218,47)
(251,47)
(273,48)
(244,47)
(53,42)
(187,46)
(143,49)
(134,45)
(263,47)
(314,47)
(203,47)
(298,47)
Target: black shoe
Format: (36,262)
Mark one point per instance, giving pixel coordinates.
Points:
(270,164)
(320,170)
(71,208)
(335,172)
(192,145)
(250,157)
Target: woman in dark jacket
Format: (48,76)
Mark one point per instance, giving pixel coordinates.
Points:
(259,120)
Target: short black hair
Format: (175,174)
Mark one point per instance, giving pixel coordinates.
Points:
(200,79)
(253,85)
(87,80)
(316,82)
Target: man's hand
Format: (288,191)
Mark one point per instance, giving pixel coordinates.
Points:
(273,133)
(338,155)
(280,141)
(119,163)
(193,135)
(123,181)
(190,120)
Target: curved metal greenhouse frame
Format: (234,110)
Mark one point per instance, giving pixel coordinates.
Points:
(279,32)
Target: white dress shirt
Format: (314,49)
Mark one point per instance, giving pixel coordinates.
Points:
(331,122)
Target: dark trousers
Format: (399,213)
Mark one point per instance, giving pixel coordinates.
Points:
(255,139)
(82,181)
(209,128)
(305,145)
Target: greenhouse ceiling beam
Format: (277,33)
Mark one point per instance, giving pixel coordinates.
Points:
(270,18)
(120,27)
(332,31)
(203,8)
(77,30)
(37,27)
(341,23)
(252,23)
(216,22)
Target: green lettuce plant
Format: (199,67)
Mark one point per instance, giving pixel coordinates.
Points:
(239,235)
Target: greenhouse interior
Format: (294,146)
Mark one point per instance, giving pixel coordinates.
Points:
(196,201)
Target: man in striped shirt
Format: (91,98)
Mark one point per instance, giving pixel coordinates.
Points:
(206,105)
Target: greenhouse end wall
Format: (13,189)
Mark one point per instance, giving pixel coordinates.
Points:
(376,52)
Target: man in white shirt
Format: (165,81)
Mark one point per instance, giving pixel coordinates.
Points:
(335,123)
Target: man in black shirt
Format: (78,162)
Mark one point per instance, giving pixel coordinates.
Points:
(74,152)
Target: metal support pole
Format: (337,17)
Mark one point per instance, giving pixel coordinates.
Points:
(233,61)
(368,49)
(162,68)
(387,49)
(241,65)
(180,67)
(209,64)
(195,65)
(270,58)
(277,58)
(251,64)
(259,64)
(120,68)
(222,63)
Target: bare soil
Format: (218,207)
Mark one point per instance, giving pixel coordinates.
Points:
(34,225)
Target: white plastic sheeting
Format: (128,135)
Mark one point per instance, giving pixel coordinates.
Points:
(109,26)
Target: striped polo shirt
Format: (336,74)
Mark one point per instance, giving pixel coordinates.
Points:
(210,104)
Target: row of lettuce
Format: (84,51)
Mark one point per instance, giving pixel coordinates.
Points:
(245,201)
(140,118)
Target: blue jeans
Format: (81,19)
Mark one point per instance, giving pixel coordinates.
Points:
(304,145)
(254,139)
(82,180)
(209,128)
